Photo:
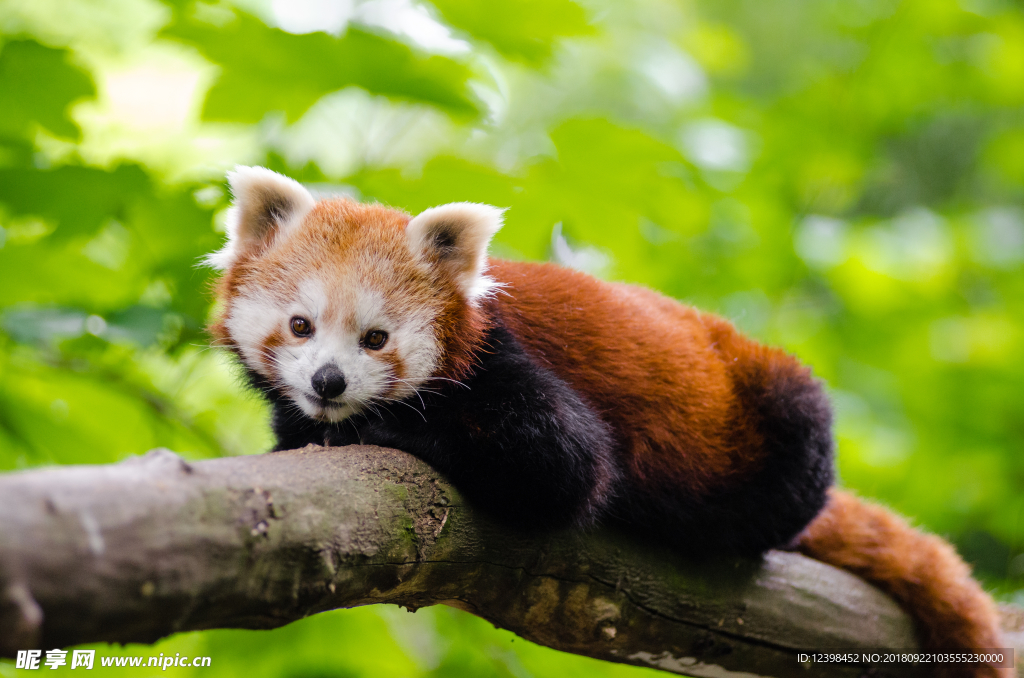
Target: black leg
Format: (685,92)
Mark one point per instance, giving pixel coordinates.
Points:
(517,441)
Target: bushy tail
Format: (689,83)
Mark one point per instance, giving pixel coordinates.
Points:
(920,571)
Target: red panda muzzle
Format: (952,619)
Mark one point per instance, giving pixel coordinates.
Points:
(551,398)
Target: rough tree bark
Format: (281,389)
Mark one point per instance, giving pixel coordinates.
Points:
(139,550)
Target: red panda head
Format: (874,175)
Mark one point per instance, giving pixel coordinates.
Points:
(338,305)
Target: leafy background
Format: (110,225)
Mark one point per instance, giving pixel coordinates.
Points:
(844,178)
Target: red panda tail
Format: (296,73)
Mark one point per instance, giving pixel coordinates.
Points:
(922,572)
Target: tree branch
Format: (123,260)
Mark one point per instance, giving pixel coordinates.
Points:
(136,551)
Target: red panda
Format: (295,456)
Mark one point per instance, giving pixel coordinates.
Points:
(549,397)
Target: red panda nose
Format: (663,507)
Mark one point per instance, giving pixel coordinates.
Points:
(329,382)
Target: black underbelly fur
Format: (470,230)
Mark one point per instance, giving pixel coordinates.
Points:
(518,442)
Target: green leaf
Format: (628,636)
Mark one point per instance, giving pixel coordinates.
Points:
(606,181)
(102,411)
(77,199)
(525,30)
(37,85)
(44,272)
(115,234)
(266,69)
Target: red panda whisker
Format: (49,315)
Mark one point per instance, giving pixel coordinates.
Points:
(312,302)
(368,404)
(580,400)
(430,391)
(415,390)
(401,401)
(454,381)
(271,358)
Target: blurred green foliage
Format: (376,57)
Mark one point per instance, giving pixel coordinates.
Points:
(844,178)
(259,74)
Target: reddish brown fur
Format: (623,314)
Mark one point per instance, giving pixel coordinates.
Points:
(340,233)
(920,570)
(690,430)
(686,430)
(676,386)
(270,344)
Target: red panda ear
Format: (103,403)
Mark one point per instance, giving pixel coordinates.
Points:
(454,238)
(265,204)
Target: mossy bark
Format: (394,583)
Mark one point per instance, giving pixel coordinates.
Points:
(136,551)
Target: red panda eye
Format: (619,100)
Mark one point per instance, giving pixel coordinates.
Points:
(375,339)
(301,327)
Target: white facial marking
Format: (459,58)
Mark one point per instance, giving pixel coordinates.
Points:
(250,320)
(341,313)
